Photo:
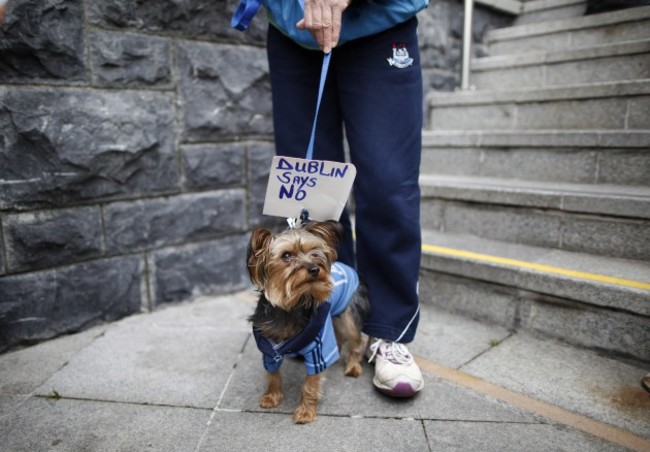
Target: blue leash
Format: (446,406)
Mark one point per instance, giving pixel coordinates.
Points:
(240,21)
(321,88)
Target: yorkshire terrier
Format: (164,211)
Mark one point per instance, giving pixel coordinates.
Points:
(309,305)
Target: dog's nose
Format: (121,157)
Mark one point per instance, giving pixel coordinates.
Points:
(313,271)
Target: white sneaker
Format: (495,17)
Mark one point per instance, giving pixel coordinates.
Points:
(396,372)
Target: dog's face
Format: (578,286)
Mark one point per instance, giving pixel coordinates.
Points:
(294,267)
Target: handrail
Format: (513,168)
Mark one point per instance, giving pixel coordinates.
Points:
(467,45)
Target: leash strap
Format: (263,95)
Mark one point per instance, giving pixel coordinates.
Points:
(244,13)
(321,88)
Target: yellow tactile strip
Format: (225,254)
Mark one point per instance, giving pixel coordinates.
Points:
(534,266)
(547,410)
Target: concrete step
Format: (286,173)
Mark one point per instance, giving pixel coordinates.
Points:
(536,219)
(599,199)
(628,60)
(581,157)
(581,381)
(610,105)
(534,11)
(624,25)
(588,300)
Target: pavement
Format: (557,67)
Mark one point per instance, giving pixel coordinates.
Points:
(188,377)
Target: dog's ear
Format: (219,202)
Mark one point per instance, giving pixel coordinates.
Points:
(257,255)
(331,231)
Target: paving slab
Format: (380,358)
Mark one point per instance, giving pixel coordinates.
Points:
(254,431)
(356,397)
(578,380)
(452,340)
(497,437)
(74,425)
(22,371)
(181,357)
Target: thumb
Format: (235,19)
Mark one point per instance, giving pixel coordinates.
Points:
(301,24)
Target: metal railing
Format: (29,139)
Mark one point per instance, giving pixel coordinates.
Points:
(467,45)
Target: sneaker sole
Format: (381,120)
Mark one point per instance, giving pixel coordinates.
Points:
(401,390)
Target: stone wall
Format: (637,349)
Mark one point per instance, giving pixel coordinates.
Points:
(135,139)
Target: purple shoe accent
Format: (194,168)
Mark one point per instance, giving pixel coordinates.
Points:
(401,390)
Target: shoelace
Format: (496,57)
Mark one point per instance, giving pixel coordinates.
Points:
(394,352)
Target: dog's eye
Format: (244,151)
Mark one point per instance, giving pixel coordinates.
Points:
(286,257)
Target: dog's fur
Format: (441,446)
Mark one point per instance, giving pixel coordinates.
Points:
(292,273)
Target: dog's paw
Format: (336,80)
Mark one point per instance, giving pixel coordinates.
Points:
(353,369)
(271,399)
(304,415)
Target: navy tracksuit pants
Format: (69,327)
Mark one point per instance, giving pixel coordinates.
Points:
(380,107)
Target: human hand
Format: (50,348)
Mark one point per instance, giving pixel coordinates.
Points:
(323,20)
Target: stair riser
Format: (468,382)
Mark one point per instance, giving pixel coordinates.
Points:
(585,325)
(562,40)
(548,228)
(597,70)
(583,166)
(626,113)
(545,15)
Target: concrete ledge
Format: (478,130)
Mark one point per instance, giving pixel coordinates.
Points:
(561,56)
(507,6)
(537,138)
(576,23)
(541,5)
(523,95)
(593,292)
(614,200)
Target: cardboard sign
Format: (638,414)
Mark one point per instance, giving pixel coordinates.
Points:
(322,187)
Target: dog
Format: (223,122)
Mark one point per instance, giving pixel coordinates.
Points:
(309,305)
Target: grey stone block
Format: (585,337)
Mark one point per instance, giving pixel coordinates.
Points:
(495,437)
(75,425)
(206,268)
(639,113)
(473,299)
(616,238)
(596,293)
(243,431)
(121,60)
(509,77)
(23,371)
(614,332)
(555,12)
(146,224)
(260,155)
(41,305)
(624,167)
(64,145)
(146,363)
(575,379)
(224,91)
(608,113)
(507,224)
(43,41)
(498,116)
(453,340)
(210,166)
(559,165)
(194,18)
(623,67)
(48,238)
(459,161)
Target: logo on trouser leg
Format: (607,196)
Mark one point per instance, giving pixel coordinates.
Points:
(401,58)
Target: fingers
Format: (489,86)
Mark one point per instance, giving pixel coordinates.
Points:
(323,19)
